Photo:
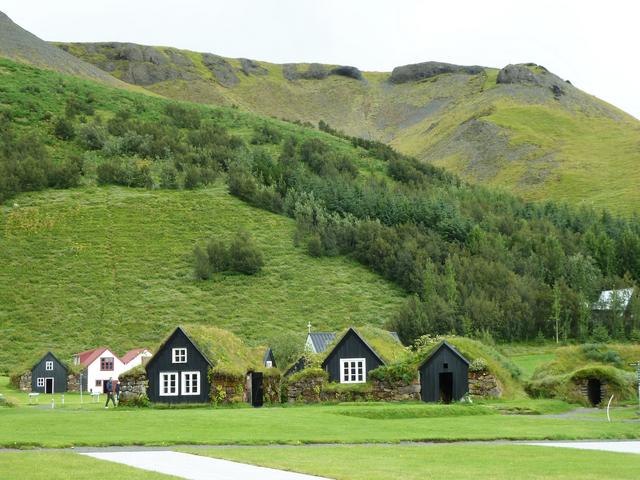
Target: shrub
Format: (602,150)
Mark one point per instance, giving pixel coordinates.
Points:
(201,265)
(312,372)
(192,177)
(169,177)
(479,365)
(399,372)
(218,256)
(183,116)
(600,334)
(92,136)
(244,254)
(63,129)
(266,133)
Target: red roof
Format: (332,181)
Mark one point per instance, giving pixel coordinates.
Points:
(131,354)
(87,358)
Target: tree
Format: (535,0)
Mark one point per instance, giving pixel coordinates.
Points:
(556,310)
(244,254)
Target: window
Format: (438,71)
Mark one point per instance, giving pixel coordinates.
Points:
(353,370)
(269,364)
(445,365)
(168,384)
(179,355)
(106,363)
(190,383)
(48,366)
(98,383)
(40,382)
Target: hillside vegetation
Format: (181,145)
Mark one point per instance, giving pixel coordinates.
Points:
(521,128)
(140,183)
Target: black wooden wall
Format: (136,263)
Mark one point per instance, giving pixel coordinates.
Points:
(162,362)
(431,369)
(350,346)
(59,374)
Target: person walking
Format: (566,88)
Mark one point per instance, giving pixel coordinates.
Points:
(110,390)
(117,392)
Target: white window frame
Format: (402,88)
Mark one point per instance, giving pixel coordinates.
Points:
(178,355)
(269,364)
(48,366)
(162,391)
(351,376)
(40,382)
(184,382)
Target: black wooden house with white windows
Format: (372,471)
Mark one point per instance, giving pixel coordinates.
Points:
(179,371)
(444,375)
(351,359)
(49,375)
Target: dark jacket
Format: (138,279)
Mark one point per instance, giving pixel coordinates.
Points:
(109,386)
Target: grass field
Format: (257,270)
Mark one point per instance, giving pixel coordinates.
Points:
(114,266)
(496,462)
(66,465)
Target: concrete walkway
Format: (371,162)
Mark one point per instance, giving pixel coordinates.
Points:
(621,447)
(194,467)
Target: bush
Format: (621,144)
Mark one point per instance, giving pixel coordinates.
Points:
(201,265)
(192,177)
(600,334)
(218,256)
(183,116)
(399,372)
(92,136)
(266,133)
(479,365)
(169,177)
(63,129)
(244,255)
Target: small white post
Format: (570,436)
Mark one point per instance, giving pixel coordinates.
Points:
(608,406)
(63,399)
(53,402)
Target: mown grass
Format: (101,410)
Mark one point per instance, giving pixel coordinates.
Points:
(66,465)
(110,265)
(494,462)
(46,427)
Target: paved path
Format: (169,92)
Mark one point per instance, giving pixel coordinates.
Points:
(194,467)
(622,447)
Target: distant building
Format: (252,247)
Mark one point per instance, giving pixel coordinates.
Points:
(49,375)
(135,357)
(100,364)
(613,299)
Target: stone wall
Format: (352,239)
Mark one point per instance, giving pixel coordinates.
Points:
(23,382)
(133,388)
(484,384)
(396,391)
(227,388)
(313,389)
(73,382)
(271,385)
(305,390)
(581,392)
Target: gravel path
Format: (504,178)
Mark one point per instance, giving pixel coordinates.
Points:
(194,467)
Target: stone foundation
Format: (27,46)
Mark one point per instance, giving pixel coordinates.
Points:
(581,392)
(73,382)
(305,390)
(23,382)
(271,385)
(484,384)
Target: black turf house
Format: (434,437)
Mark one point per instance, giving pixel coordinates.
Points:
(444,375)
(178,372)
(351,359)
(49,375)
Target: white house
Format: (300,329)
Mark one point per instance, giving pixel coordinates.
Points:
(609,298)
(100,364)
(135,357)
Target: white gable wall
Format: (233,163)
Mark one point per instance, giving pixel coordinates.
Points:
(94,373)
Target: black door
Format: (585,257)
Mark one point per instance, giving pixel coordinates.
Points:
(48,385)
(446,387)
(256,389)
(594,391)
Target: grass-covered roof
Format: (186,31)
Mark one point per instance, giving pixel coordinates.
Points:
(381,341)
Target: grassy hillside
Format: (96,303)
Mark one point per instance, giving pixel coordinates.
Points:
(113,266)
(532,134)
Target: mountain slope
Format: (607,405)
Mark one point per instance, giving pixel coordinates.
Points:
(520,128)
(18,44)
(114,266)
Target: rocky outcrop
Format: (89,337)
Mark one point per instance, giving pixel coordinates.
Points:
(251,67)
(532,74)
(347,71)
(421,71)
(396,391)
(221,69)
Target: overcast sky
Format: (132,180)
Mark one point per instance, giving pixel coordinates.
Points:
(593,44)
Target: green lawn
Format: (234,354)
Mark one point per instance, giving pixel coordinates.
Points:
(66,465)
(114,266)
(493,462)
(294,425)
